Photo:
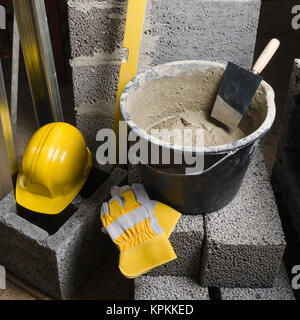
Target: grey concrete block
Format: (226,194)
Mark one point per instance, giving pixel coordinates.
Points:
(95,91)
(6,205)
(245,240)
(96,35)
(168,288)
(134,174)
(56,264)
(292,108)
(171,30)
(286,172)
(210,30)
(95,84)
(97,28)
(281,290)
(187,240)
(285,185)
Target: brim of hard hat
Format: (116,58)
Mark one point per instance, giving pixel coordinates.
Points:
(46,205)
(146,256)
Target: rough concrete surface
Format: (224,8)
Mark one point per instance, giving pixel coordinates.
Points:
(56,264)
(291,129)
(168,288)
(287,165)
(245,240)
(96,29)
(172,31)
(187,240)
(94,93)
(281,290)
(134,175)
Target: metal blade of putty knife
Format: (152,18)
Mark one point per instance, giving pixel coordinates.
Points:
(239,86)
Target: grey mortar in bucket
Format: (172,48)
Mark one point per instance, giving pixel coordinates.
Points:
(192,86)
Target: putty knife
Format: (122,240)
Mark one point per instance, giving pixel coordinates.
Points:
(239,86)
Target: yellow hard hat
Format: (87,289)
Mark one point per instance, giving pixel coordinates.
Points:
(55,166)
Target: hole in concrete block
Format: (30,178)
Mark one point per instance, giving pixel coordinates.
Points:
(214,293)
(94,181)
(52,223)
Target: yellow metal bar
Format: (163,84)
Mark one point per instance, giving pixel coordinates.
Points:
(5,178)
(132,41)
(6,127)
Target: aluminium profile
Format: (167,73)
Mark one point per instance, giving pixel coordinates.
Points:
(37,51)
(15,79)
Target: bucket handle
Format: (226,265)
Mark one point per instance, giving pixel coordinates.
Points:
(229,154)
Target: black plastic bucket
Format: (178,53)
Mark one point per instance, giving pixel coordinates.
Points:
(225,165)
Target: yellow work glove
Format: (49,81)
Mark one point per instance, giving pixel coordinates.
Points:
(133,221)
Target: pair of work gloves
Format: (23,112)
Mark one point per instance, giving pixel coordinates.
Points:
(140,228)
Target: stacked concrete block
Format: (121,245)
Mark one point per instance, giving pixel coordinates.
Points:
(219,30)
(287,172)
(168,288)
(96,34)
(242,246)
(187,240)
(188,288)
(281,290)
(245,241)
(56,264)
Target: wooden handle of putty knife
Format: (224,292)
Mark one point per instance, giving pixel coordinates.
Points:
(266,56)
